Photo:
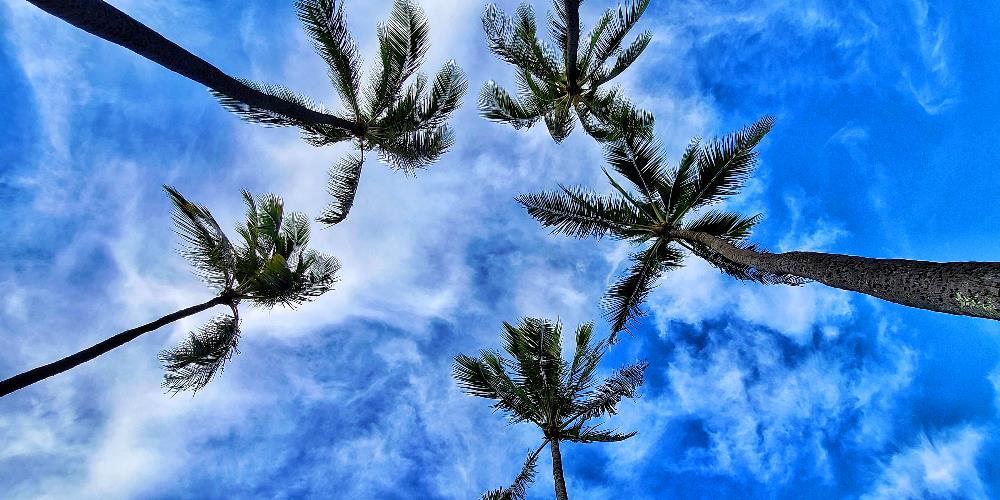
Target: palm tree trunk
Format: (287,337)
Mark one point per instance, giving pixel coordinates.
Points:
(557,470)
(962,288)
(105,21)
(572,42)
(29,377)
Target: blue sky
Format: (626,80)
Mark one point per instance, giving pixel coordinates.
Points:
(885,146)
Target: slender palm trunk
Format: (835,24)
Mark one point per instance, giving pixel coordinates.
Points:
(103,20)
(29,377)
(572,42)
(962,288)
(557,470)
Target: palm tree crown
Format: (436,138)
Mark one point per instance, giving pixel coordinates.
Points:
(269,265)
(662,201)
(555,87)
(537,385)
(406,126)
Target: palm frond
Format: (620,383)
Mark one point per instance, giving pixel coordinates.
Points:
(264,116)
(582,214)
(640,161)
(729,226)
(497,105)
(725,164)
(342,186)
(519,488)
(559,120)
(611,38)
(445,95)
(192,364)
(403,43)
(622,301)
(680,183)
(617,117)
(622,62)
(487,377)
(594,434)
(206,246)
(326,25)
(604,400)
(414,150)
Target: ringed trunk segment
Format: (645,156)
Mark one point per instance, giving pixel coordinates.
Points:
(572,44)
(557,470)
(103,20)
(960,288)
(22,380)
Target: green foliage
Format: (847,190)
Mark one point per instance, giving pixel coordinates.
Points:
(519,488)
(271,264)
(395,113)
(545,90)
(656,201)
(535,384)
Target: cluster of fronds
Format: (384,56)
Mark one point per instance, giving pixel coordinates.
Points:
(271,264)
(554,83)
(537,385)
(658,201)
(398,113)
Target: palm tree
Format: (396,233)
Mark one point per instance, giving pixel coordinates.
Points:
(669,211)
(554,87)
(407,126)
(270,265)
(537,385)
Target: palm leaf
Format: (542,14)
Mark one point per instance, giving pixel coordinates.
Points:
(623,61)
(604,401)
(581,214)
(403,43)
(192,364)
(497,105)
(725,164)
(582,434)
(343,186)
(729,226)
(614,34)
(206,245)
(326,25)
(264,116)
(622,301)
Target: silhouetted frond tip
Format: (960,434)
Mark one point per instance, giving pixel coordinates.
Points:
(195,362)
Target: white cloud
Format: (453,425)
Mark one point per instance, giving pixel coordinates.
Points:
(942,465)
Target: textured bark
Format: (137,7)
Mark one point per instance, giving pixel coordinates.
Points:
(29,377)
(572,43)
(962,288)
(105,21)
(557,470)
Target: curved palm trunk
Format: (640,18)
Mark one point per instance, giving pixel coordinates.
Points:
(105,21)
(962,288)
(29,377)
(572,42)
(557,471)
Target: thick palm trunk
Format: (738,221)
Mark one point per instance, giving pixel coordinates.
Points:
(963,288)
(105,21)
(29,377)
(557,471)
(572,42)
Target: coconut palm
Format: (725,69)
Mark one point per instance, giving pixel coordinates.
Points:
(555,84)
(406,126)
(269,265)
(537,385)
(669,211)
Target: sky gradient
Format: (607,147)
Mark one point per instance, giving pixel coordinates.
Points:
(885,146)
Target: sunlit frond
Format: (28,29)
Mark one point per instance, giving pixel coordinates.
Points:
(729,226)
(603,401)
(519,488)
(594,434)
(403,43)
